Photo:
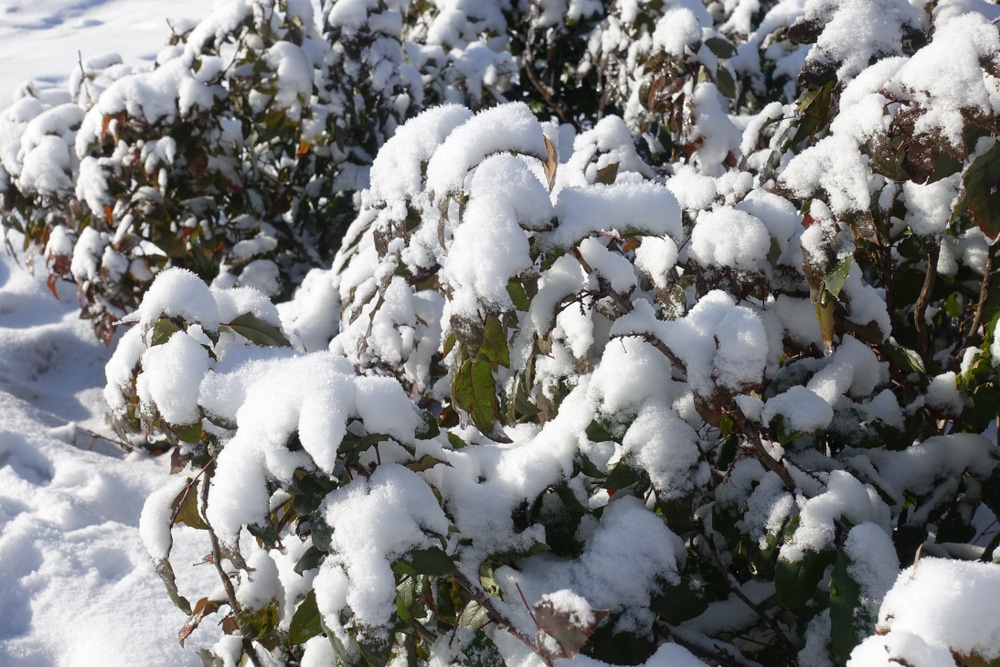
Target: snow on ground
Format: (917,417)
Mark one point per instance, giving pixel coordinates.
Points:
(43,40)
(76,584)
(77,587)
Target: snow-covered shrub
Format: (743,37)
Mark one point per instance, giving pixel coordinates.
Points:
(544,402)
(661,333)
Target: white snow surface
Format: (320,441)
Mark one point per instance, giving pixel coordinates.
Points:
(43,42)
(73,567)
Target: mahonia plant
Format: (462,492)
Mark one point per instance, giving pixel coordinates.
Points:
(693,368)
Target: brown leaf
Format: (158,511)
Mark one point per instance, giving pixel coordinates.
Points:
(551,162)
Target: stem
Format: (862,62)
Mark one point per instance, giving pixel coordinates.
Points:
(497,616)
(248,646)
(924,299)
(734,589)
(984,291)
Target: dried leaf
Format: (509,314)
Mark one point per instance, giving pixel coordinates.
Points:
(551,162)
(569,625)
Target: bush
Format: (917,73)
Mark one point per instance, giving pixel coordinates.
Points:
(693,381)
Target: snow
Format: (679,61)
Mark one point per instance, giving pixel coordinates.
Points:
(84,527)
(73,558)
(936,609)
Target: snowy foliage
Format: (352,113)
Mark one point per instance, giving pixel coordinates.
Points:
(691,370)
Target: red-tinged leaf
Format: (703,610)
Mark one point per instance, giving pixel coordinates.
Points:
(982,194)
(109,215)
(230,625)
(50,282)
(202,608)
(569,620)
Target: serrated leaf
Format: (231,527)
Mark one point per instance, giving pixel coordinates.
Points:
(494,345)
(254,330)
(306,622)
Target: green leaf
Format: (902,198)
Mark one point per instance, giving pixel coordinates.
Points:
(835,280)
(607,174)
(598,432)
(720,47)
(166,572)
(677,603)
(481,651)
(981,195)
(474,390)
(310,560)
(620,476)
(307,621)
(187,432)
(185,507)
(795,581)
(429,428)
(848,624)
(517,295)
(725,82)
(425,462)
(494,345)
(163,330)
(254,330)
(431,561)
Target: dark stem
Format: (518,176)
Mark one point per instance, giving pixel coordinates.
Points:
(920,312)
(984,292)
(248,646)
(497,616)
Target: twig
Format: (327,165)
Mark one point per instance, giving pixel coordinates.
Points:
(248,646)
(920,311)
(497,616)
(984,291)
(741,596)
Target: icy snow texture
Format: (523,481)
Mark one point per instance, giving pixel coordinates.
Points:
(936,609)
(375,522)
